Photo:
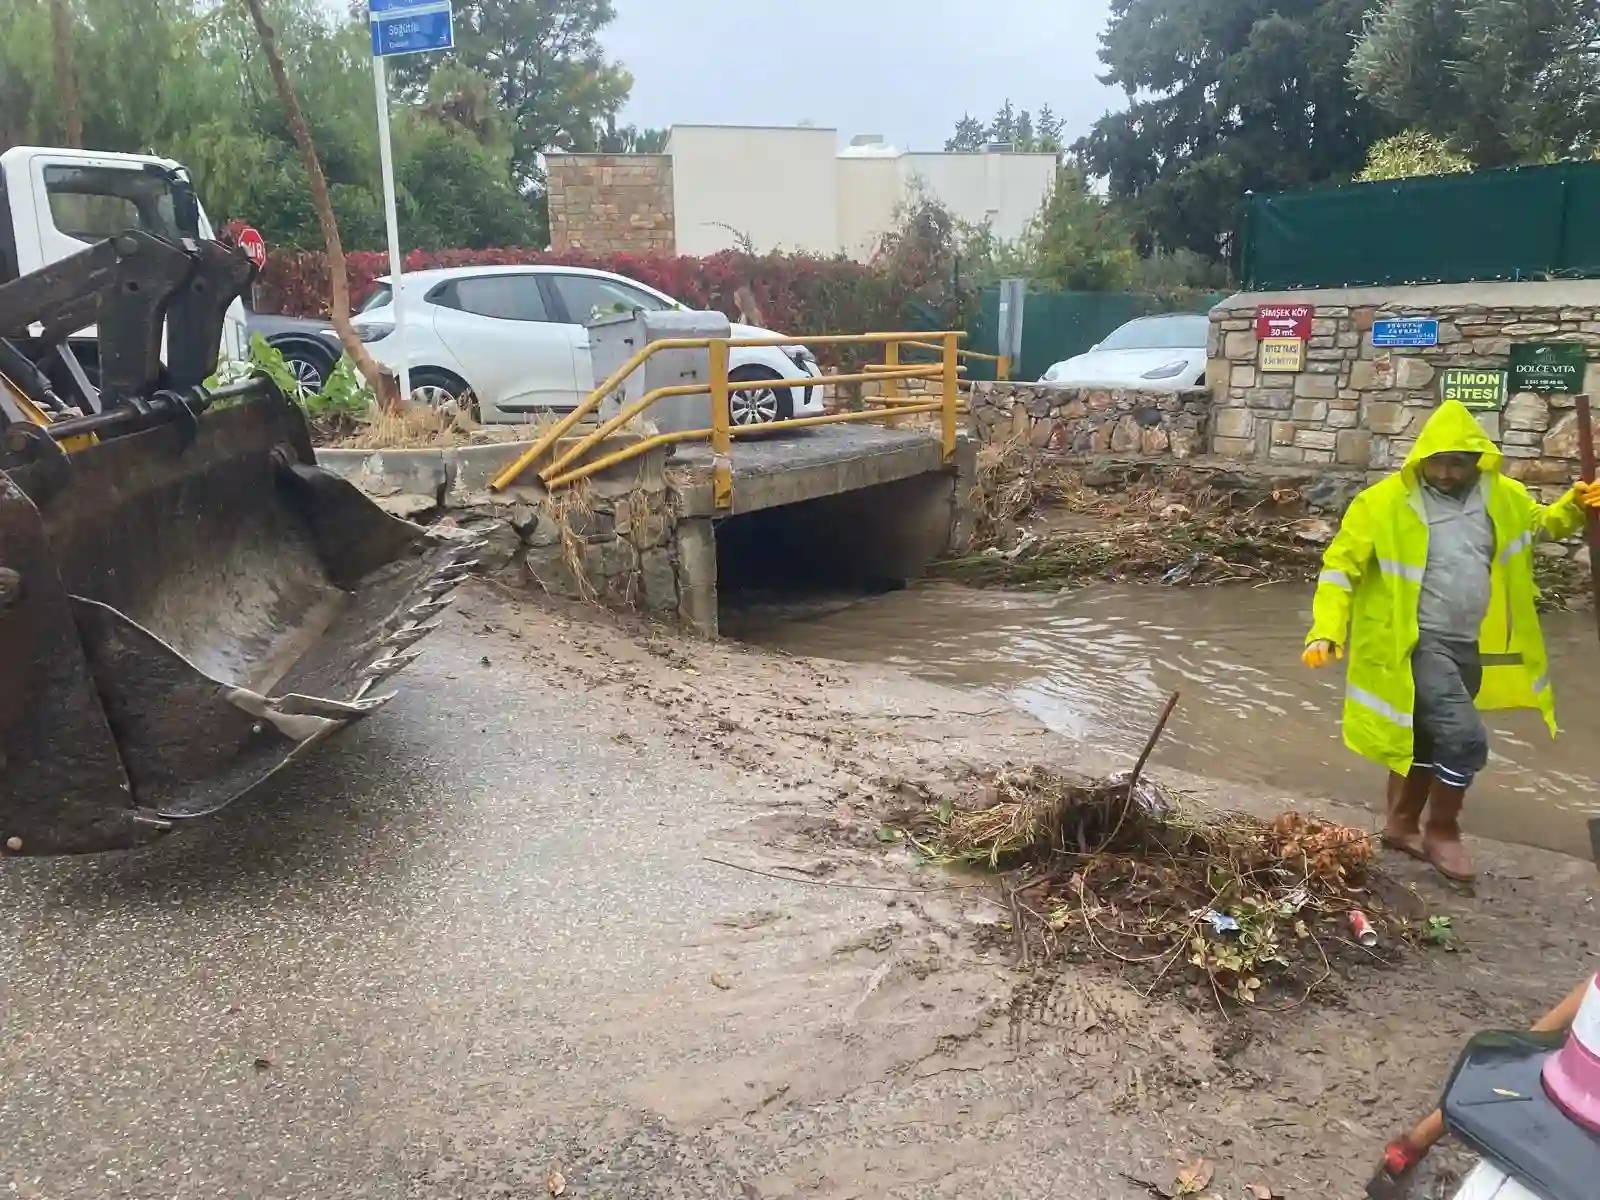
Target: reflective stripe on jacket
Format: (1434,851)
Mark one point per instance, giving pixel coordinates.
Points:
(1371,583)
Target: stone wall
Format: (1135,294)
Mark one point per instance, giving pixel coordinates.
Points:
(1359,406)
(1090,420)
(611,203)
(612,540)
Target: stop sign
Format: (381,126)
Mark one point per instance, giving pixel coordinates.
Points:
(254,245)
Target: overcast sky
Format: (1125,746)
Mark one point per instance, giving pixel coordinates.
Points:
(907,69)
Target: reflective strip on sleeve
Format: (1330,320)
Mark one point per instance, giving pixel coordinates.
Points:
(1382,707)
(1517,545)
(1337,578)
(1500,660)
(1541,684)
(1390,566)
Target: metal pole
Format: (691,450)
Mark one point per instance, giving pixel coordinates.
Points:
(721,438)
(1586,458)
(380,84)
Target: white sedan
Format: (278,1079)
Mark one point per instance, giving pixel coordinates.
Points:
(513,341)
(1162,353)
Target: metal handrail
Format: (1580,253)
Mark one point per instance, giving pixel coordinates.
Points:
(562,471)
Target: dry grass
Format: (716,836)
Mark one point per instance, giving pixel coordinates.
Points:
(1011,482)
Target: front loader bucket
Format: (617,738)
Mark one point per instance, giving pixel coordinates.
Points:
(183,611)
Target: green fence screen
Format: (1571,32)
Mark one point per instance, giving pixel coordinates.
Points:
(1520,223)
(1057,325)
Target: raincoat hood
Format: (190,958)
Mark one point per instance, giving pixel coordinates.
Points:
(1452,428)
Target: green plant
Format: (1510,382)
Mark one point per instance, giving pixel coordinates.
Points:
(345,395)
(1410,154)
(1439,931)
(264,359)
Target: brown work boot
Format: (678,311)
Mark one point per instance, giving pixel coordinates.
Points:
(1408,794)
(1441,839)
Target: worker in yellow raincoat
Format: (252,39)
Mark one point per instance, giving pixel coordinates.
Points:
(1428,594)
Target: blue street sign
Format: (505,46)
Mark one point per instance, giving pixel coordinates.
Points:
(410,26)
(1406,331)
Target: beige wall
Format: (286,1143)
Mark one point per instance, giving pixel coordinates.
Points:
(869,190)
(779,187)
(1004,189)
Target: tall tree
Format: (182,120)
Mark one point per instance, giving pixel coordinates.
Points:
(550,73)
(1502,81)
(1024,131)
(1226,97)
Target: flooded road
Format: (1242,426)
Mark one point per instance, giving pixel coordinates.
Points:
(1094,664)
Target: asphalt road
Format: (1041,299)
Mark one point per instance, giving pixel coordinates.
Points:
(476,942)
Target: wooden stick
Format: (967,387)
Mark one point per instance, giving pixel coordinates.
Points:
(1586,456)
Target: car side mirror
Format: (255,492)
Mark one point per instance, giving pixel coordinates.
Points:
(1094,347)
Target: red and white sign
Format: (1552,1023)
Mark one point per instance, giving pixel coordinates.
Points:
(254,245)
(1284,320)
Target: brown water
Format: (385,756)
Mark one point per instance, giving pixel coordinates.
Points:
(1094,664)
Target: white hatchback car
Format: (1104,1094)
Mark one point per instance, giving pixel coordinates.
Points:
(513,341)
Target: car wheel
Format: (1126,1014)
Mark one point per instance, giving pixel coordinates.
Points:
(442,390)
(310,369)
(758,406)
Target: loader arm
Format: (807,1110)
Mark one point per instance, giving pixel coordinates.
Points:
(187,602)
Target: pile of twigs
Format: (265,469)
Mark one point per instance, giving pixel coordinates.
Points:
(1187,550)
(1118,871)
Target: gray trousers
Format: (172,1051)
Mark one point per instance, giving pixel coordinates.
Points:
(1449,737)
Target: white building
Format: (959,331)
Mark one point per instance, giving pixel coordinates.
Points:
(783,188)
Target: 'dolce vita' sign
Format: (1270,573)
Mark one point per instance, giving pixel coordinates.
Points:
(1548,367)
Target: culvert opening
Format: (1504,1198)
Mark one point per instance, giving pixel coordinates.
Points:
(816,556)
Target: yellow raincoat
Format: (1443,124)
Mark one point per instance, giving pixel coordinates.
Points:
(1371,584)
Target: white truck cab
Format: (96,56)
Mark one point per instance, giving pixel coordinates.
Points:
(56,201)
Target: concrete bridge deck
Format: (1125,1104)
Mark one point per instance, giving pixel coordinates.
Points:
(805,464)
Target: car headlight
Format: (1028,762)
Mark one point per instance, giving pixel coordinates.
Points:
(1167,370)
(374,331)
(803,358)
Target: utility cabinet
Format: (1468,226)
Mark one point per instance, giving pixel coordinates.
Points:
(617,337)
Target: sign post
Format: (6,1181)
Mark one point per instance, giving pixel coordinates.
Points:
(401,27)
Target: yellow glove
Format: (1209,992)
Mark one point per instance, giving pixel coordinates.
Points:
(1320,654)
(1586,495)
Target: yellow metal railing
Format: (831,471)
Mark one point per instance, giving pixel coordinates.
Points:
(567,468)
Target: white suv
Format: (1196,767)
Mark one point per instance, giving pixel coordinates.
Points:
(513,341)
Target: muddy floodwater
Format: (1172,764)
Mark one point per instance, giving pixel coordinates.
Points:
(1094,664)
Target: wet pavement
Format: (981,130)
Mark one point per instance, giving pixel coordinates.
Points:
(477,941)
(473,941)
(1094,664)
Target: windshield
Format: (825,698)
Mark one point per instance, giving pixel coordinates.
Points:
(1160,333)
(382,293)
(94,203)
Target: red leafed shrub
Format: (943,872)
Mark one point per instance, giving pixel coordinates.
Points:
(795,293)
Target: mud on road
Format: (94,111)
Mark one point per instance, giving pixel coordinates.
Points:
(480,944)
(1070,1062)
